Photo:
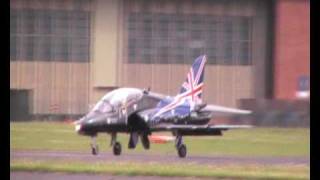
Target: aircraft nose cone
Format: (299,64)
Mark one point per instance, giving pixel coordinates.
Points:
(77,127)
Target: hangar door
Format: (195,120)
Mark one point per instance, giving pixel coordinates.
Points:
(19,105)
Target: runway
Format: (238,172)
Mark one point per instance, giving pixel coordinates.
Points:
(153,158)
(83,176)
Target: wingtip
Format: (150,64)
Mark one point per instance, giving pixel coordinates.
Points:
(247,111)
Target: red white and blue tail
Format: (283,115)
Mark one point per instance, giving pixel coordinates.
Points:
(189,95)
(193,85)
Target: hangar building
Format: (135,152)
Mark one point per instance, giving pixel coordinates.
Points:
(66,54)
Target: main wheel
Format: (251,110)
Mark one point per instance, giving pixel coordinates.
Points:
(117,149)
(95,150)
(182,151)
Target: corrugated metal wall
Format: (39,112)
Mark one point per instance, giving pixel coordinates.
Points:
(57,86)
(68,87)
(224,84)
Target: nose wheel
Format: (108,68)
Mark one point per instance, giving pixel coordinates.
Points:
(95,150)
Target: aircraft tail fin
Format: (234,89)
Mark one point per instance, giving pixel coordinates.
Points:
(193,85)
(190,92)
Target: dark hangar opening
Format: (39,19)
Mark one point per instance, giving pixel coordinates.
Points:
(19,105)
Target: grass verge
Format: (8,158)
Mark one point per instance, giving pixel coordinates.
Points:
(177,170)
(263,142)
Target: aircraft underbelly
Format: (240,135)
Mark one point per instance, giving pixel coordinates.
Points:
(104,127)
(114,128)
(200,132)
(196,121)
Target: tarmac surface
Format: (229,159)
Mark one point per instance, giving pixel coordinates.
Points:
(82,176)
(150,158)
(130,157)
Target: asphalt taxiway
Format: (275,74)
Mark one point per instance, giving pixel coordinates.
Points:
(130,157)
(154,158)
(83,176)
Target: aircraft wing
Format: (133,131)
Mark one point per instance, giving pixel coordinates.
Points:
(221,110)
(197,129)
(169,127)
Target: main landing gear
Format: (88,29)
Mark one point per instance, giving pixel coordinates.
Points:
(117,149)
(116,146)
(181,148)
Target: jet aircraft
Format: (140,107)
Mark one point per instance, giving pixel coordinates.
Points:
(141,112)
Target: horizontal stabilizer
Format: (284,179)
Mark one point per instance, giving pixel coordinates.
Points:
(231,126)
(220,110)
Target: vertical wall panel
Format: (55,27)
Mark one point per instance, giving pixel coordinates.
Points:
(177,77)
(224,84)
(58,80)
(57,88)
(105,43)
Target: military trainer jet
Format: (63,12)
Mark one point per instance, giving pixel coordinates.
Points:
(141,112)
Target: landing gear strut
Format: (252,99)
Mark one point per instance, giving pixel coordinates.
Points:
(145,141)
(116,146)
(94,146)
(181,148)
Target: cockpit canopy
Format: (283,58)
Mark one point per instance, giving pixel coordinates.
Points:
(114,100)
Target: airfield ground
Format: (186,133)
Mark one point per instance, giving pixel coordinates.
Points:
(258,153)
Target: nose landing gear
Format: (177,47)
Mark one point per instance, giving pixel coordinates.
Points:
(94,146)
(95,150)
(116,146)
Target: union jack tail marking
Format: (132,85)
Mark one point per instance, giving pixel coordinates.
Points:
(191,90)
(194,82)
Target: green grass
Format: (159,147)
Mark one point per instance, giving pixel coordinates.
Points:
(182,170)
(266,142)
